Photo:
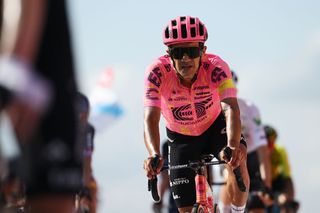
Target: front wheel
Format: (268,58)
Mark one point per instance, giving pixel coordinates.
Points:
(198,208)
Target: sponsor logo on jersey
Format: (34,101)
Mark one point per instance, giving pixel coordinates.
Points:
(203,93)
(179,181)
(217,75)
(170,140)
(175,196)
(155,77)
(149,94)
(205,66)
(182,113)
(201,87)
(202,106)
(167,67)
(181,98)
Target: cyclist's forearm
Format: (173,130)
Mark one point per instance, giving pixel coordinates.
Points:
(152,142)
(265,165)
(233,124)
(151,131)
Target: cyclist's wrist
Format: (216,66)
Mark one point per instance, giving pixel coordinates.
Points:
(233,144)
(155,155)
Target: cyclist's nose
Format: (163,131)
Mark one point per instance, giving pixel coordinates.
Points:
(185,57)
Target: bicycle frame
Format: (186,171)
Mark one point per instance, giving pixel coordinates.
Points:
(203,204)
(204,196)
(202,188)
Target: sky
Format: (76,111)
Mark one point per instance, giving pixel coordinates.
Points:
(274,46)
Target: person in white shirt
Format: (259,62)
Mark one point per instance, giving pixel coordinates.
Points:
(258,161)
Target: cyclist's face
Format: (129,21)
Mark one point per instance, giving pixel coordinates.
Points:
(271,142)
(186,58)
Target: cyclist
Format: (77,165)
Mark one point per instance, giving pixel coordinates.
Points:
(258,161)
(37,90)
(88,193)
(282,184)
(197,97)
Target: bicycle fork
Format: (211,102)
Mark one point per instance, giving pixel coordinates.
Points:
(203,193)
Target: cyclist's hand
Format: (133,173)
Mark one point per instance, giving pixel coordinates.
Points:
(282,198)
(232,158)
(266,196)
(238,154)
(148,166)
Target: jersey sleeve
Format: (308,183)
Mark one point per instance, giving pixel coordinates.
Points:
(222,78)
(152,85)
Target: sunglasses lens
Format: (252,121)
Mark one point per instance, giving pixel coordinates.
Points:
(178,52)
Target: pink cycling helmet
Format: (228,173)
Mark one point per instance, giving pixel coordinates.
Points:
(184,29)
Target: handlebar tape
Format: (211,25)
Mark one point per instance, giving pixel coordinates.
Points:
(153,183)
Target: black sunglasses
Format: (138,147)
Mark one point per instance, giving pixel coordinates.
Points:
(178,52)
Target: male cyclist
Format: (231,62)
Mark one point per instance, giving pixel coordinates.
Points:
(195,93)
(282,184)
(258,161)
(37,91)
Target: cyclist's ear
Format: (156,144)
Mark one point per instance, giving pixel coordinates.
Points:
(204,49)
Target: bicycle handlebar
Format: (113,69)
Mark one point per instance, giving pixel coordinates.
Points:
(192,165)
(153,183)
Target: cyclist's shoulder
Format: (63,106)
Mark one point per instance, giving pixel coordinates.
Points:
(279,152)
(161,64)
(213,59)
(280,148)
(217,69)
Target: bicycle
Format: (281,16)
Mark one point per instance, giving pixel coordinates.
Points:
(204,197)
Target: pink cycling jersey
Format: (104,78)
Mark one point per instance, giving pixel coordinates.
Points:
(188,111)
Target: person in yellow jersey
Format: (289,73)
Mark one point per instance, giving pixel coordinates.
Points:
(282,183)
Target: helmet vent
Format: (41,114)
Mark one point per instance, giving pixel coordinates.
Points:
(201,29)
(192,21)
(184,31)
(174,23)
(166,32)
(193,32)
(183,18)
(175,33)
